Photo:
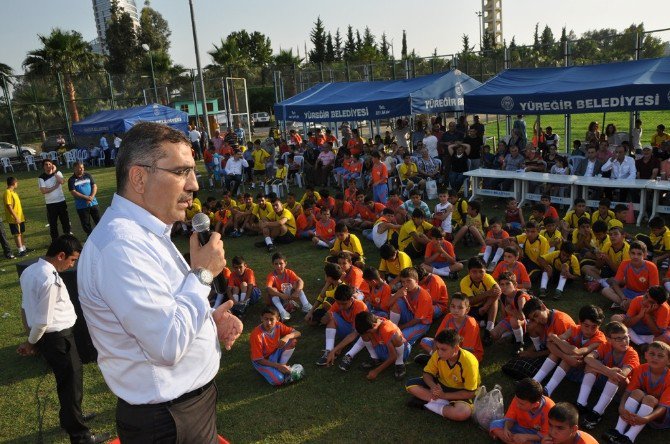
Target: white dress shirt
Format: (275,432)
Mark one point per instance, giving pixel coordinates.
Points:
(430,143)
(149,318)
(45,299)
(47,181)
(620,170)
(194,136)
(590,166)
(234,167)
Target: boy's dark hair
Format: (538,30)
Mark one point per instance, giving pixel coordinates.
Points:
(660,346)
(409,272)
(567,247)
(278,255)
(281,162)
(343,293)
(476,262)
(599,226)
(584,221)
(619,208)
(604,203)
(367,199)
(658,294)
(614,327)
(530,224)
(495,221)
(538,207)
(564,412)
(333,271)
(415,192)
(387,251)
(268,309)
(529,390)
(507,276)
(344,255)
(339,195)
(579,200)
(11,180)
(260,194)
(637,245)
(238,260)
(545,196)
(65,243)
(548,220)
(370,273)
(388,211)
(532,305)
(453,192)
(341,227)
(376,154)
(656,222)
(475,205)
(461,297)
(364,322)
(418,213)
(448,337)
(308,205)
(512,250)
(591,313)
(435,233)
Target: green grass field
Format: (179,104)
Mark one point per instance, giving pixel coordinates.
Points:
(327,406)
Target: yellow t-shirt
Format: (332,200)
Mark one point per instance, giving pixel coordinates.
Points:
(661,243)
(460,208)
(196,208)
(317,197)
(573,219)
(470,289)
(260,156)
(550,237)
(286,213)
(406,230)
(232,205)
(616,256)
(11,199)
(354,245)
(595,216)
(395,267)
(479,222)
(406,171)
(554,259)
(245,208)
(533,250)
(281,173)
(262,212)
(464,374)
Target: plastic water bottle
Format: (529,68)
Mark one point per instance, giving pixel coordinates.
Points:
(297,372)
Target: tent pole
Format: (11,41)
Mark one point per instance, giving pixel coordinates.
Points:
(568,133)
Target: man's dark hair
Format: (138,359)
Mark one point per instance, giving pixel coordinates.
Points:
(65,243)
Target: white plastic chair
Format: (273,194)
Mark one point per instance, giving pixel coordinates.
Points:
(53,155)
(7,164)
(30,162)
(300,175)
(70,158)
(44,156)
(101,158)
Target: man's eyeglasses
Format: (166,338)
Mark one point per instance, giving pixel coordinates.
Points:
(182,173)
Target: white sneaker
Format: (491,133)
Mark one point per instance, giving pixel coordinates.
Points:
(286,316)
(306,308)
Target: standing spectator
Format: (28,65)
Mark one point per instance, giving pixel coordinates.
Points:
(60,141)
(117,144)
(217,140)
(83,189)
(104,146)
(51,185)
(194,137)
(593,133)
(459,164)
(324,165)
(636,135)
(14,218)
(520,127)
(462,125)
(240,133)
(401,133)
(475,143)
(430,144)
(419,133)
(6,249)
(551,138)
(479,127)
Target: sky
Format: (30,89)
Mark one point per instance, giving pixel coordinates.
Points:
(430,24)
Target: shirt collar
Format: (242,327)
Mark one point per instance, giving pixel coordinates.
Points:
(141,216)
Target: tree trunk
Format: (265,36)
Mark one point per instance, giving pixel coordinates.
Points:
(72,99)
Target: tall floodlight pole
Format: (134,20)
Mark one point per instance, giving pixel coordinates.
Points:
(480,14)
(197,62)
(153,76)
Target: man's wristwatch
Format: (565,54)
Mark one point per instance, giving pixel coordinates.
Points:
(204,275)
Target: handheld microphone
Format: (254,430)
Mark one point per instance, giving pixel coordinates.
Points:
(200,224)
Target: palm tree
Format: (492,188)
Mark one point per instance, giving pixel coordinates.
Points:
(286,57)
(5,70)
(67,53)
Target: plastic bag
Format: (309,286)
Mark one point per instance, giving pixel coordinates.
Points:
(431,189)
(489,406)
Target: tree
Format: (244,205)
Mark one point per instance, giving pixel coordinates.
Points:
(547,38)
(487,41)
(338,45)
(536,37)
(384,48)
(467,49)
(5,70)
(154,29)
(229,53)
(349,45)
(403,51)
(67,53)
(330,49)
(359,41)
(286,57)
(121,41)
(318,38)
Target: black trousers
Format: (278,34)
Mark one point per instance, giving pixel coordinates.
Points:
(189,419)
(85,216)
(60,352)
(58,211)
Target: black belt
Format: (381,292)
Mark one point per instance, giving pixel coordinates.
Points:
(182,398)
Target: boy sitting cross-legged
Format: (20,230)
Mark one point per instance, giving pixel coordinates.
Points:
(272,345)
(411,307)
(512,300)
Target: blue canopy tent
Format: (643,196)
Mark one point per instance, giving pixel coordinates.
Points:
(344,101)
(639,85)
(121,120)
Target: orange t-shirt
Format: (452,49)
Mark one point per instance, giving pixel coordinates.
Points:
(302,223)
(325,203)
(222,216)
(385,333)
(370,214)
(606,355)
(264,343)
(497,236)
(517,268)
(537,420)
(637,279)
(355,166)
(276,281)
(558,323)
(248,276)
(437,289)
(578,340)
(380,173)
(378,297)
(394,202)
(468,329)
(584,438)
(349,315)
(346,210)
(431,249)
(661,315)
(513,301)
(353,277)
(325,232)
(420,304)
(641,378)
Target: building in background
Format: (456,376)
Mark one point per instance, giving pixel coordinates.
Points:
(492,20)
(102,14)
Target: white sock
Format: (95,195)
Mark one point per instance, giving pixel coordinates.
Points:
(545,280)
(395,317)
(489,325)
(556,379)
(371,349)
(487,253)
(640,339)
(631,405)
(552,249)
(303,299)
(243,296)
(268,240)
(437,406)
(321,243)
(603,283)
(537,343)
(219,299)
(518,334)
(444,271)
(585,388)
(330,338)
(635,430)
(276,301)
(286,355)
(498,255)
(547,366)
(236,298)
(22,248)
(358,346)
(667,286)
(400,354)
(606,397)
(561,283)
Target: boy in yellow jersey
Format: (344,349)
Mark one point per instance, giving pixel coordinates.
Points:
(280,175)
(412,237)
(310,194)
(260,156)
(476,225)
(560,267)
(227,201)
(243,214)
(409,174)
(460,211)
(658,242)
(608,259)
(279,227)
(552,234)
(571,219)
(603,212)
(532,245)
(392,263)
(260,213)
(326,297)
(292,205)
(483,292)
(345,241)
(14,217)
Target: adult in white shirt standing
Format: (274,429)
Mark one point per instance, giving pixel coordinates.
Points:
(117,145)
(51,185)
(147,310)
(430,143)
(104,146)
(48,317)
(194,137)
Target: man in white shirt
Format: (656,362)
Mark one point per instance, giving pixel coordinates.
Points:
(430,143)
(51,183)
(48,317)
(234,169)
(147,309)
(104,146)
(621,165)
(117,145)
(194,136)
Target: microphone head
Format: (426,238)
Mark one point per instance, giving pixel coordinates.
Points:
(200,222)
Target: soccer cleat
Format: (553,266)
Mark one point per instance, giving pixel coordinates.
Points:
(611,435)
(286,316)
(591,420)
(10,256)
(491,267)
(422,359)
(557,295)
(518,348)
(543,293)
(372,363)
(323,360)
(235,234)
(453,275)
(582,409)
(345,363)
(487,339)
(271,248)
(623,439)
(399,371)
(615,306)
(22,253)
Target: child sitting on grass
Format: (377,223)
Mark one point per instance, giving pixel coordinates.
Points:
(475,224)
(510,263)
(272,345)
(376,292)
(647,317)
(326,297)
(385,343)
(512,300)
(564,426)
(633,277)
(285,288)
(560,267)
(440,257)
(496,240)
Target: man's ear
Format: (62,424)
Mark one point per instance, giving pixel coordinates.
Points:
(137,178)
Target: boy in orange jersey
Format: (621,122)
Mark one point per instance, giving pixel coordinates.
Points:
(351,274)
(223,221)
(343,209)
(379,177)
(306,222)
(285,288)
(376,292)
(484,293)
(367,211)
(526,419)
(242,285)
(325,201)
(350,192)
(341,323)
(411,307)
(608,366)
(457,319)
(385,343)
(647,316)
(512,301)
(440,258)
(510,263)
(496,240)
(392,263)
(346,242)
(647,397)
(395,203)
(272,345)
(564,426)
(633,277)
(437,290)
(571,347)
(326,297)
(385,229)
(324,236)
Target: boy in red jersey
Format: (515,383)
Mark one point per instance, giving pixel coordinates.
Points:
(272,345)
(510,263)
(306,222)
(411,307)
(512,300)
(440,258)
(633,277)
(437,290)
(324,236)
(379,176)
(564,428)
(242,285)
(496,240)
(376,292)
(285,288)
(647,316)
